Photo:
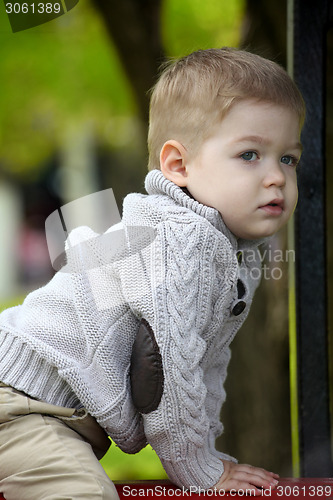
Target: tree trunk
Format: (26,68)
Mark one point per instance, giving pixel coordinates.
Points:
(134,26)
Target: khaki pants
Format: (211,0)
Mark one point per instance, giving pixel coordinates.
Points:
(49,453)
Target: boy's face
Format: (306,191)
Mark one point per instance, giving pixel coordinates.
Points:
(247,169)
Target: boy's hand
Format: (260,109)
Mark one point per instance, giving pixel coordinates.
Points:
(245,478)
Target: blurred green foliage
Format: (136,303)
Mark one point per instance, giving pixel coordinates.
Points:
(64,71)
(143,465)
(67,71)
(10,303)
(190,25)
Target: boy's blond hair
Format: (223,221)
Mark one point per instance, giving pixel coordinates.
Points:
(194,93)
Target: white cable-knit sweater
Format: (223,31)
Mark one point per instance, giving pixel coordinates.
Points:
(70,342)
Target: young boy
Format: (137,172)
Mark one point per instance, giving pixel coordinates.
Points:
(140,344)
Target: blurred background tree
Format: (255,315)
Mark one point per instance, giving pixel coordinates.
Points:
(73,119)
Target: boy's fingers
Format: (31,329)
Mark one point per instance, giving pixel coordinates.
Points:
(261,481)
(258,471)
(254,476)
(242,477)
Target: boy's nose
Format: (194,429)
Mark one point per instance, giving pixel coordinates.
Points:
(274,175)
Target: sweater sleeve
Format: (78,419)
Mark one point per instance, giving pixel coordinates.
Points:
(214,379)
(181,268)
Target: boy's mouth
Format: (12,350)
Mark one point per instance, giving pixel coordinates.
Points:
(274,207)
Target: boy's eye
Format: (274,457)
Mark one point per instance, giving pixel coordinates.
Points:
(249,156)
(289,160)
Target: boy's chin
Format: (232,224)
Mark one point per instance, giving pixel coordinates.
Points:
(257,235)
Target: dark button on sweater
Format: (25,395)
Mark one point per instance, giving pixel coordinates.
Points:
(238,308)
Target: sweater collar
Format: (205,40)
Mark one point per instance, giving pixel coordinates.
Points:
(156,183)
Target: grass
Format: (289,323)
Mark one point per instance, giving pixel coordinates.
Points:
(142,465)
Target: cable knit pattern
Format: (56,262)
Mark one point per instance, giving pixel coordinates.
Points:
(70,342)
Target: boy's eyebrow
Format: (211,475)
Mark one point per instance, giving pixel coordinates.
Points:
(261,140)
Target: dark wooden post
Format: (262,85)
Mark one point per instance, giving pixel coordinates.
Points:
(308,24)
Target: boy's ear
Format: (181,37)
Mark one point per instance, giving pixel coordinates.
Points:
(173,162)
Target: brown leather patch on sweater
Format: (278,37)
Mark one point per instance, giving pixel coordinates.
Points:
(146,371)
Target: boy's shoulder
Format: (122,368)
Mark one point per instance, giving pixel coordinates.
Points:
(165,201)
(152,209)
